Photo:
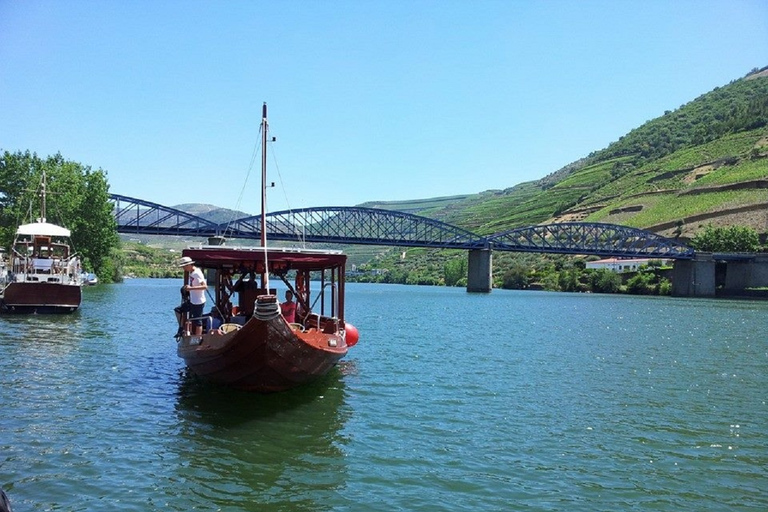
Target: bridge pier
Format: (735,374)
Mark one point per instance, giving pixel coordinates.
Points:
(480,271)
(726,274)
(694,278)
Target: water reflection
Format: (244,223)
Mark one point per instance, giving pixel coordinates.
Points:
(278,451)
(96,319)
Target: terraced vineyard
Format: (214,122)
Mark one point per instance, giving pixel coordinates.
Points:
(706,162)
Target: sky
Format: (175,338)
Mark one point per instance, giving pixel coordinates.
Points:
(369,100)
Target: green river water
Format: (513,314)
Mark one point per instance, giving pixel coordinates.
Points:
(450,402)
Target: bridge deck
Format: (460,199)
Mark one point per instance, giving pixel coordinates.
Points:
(370,226)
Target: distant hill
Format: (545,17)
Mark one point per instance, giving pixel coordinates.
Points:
(416,206)
(206,211)
(211,213)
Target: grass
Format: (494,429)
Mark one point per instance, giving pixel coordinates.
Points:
(737,145)
(730,145)
(745,170)
(589,177)
(666,208)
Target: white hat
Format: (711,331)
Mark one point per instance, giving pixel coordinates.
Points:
(186,260)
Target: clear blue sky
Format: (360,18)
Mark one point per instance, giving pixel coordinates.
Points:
(369,100)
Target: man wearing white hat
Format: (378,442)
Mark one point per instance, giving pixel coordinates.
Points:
(196,288)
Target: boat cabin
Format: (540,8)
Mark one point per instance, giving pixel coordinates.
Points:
(239,275)
(41,253)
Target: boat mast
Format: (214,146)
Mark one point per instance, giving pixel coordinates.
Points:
(42,199)
(264,126)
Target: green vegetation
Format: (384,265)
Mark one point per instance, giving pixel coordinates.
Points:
(78,198)
(669,207)
(414,266)
(139,260)
(726,239)
(416,206)
(520,272)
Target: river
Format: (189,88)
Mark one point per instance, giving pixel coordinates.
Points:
(533,401)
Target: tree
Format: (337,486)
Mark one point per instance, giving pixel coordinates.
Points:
(77,198)
(95,229)
(643,283)
(569,280)
(516,278)
(726,239)
(605,281)
(454,271)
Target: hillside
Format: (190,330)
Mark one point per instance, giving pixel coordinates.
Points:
(706,162)
(417,206)
(211,213)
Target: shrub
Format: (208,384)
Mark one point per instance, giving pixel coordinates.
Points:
(605,281)
(726,239)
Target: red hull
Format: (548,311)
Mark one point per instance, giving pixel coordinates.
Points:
(264,356)
(41,298)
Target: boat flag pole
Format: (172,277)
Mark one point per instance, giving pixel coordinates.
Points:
(265,273)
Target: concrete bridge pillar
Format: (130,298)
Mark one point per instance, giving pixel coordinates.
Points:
(694,278)
(480,271)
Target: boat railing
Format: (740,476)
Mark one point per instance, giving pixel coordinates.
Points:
(207,321)
(322,323)
(64,270)
(334,319)
(209,326)
(334,295)
(308,321)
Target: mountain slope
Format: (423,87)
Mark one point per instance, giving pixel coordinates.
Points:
(211,213)
(704,162)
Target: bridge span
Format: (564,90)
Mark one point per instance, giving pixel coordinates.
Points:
(371,226)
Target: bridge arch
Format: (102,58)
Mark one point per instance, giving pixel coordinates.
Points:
(610,240)
(339,224)
(372,226)
(144,217)
(355,225)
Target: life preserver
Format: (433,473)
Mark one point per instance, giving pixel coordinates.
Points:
(227,328)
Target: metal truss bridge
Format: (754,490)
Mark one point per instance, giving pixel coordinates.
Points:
(370,226)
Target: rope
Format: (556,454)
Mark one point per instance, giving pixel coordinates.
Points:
(254,156)
(300,234)
(266,308)
(216,306)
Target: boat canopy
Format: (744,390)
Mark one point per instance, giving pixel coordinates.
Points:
(42,229)
(287,258)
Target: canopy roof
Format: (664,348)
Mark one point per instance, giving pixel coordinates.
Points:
(288,258)
(42,228)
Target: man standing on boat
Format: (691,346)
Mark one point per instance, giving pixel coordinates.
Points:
(196,286)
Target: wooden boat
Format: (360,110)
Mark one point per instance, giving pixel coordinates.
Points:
(246,342)
(45,275)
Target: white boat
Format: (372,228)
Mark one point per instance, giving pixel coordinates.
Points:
(45,274)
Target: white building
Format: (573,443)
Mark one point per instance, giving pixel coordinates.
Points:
(619,265)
